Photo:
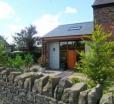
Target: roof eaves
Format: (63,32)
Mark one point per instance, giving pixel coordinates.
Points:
(98,3)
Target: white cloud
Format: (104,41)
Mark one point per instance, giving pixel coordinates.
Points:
(15,27)
(18,19)
(12,29)
(70,10)
(8,38)
(6,11)
(46,23)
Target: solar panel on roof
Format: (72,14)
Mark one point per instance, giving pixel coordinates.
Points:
(75,28)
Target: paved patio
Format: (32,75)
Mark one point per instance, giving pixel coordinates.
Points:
(54,72)
(59,73)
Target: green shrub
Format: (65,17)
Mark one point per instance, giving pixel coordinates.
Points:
(19,62)
(36,56)
(16,62)
(90,84)
(97,63)
(28,61)
(75,80)
(3,55)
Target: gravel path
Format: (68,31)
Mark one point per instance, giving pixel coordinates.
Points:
(65,74)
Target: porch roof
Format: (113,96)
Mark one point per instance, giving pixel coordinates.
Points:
(75,29)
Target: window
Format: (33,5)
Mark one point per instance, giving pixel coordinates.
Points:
(70,45)
(63,45)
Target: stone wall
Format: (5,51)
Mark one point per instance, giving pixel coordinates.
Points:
(36,88)
(105,16)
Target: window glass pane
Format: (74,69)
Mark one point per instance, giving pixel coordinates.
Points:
(63,45)
(74,44)
(70,45)
(79,45)
(63,59)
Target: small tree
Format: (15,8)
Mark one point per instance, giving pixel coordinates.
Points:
(97,63)
(25,39)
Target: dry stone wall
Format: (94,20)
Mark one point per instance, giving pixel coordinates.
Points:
(36,88)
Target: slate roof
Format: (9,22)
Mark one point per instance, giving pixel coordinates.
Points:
(102,2)
(72,29)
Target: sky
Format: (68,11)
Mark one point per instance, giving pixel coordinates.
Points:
(44,14)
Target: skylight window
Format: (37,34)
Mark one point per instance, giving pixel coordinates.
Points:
(74,28)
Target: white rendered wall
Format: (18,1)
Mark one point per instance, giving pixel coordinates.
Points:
(54,55)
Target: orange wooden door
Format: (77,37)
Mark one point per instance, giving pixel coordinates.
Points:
(71,59)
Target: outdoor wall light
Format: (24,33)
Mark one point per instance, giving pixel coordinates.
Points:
(53,49)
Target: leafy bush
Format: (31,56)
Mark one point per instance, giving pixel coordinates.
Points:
(36,56)
(75,80)
(3,55)
(97,63)
(19,62)
(90,83)
(16,62)
(28,61)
